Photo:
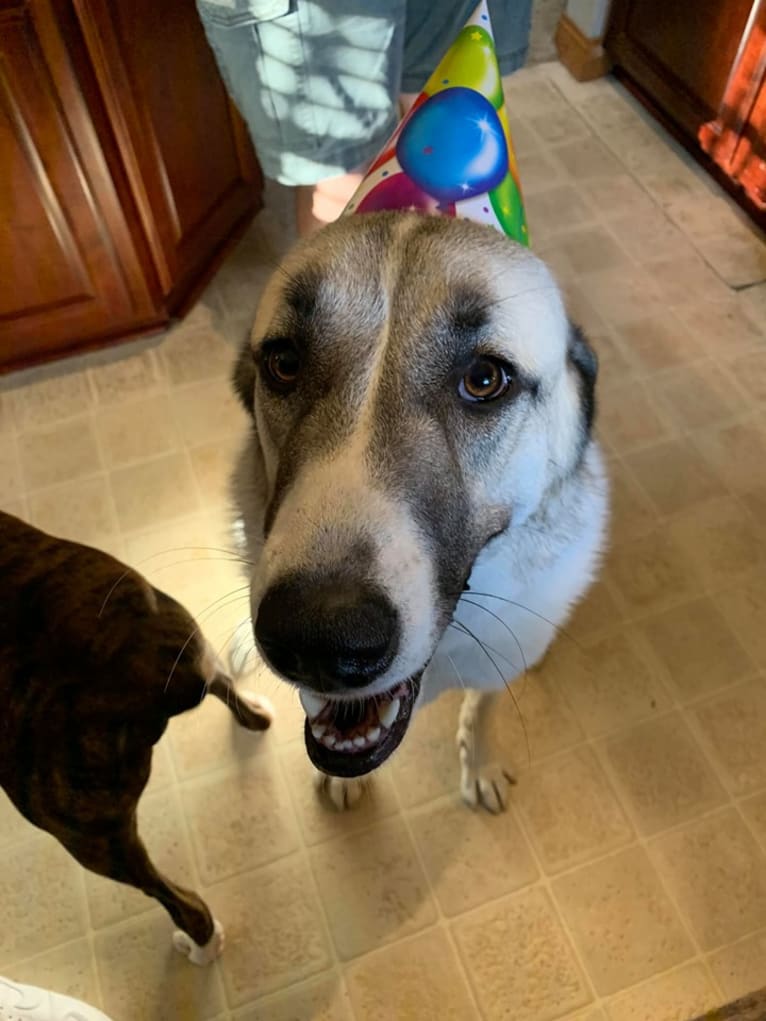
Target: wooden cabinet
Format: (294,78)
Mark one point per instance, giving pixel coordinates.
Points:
(124,170)
(736,139)
(680,56)
(680,52)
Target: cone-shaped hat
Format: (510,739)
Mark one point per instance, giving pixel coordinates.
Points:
(452,155)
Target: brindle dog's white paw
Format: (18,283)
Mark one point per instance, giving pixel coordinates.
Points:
(260,707)
(487,788)
(198,955)
(344,793)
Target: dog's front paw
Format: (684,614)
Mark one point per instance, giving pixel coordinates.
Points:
(487,787)
(344,793)
(206,954)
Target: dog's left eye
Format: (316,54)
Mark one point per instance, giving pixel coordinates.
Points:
(487,379)
(281,364)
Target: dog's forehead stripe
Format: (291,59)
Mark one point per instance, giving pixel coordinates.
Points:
(470,310)
(300,292)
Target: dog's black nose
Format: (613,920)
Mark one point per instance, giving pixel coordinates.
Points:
(331,634)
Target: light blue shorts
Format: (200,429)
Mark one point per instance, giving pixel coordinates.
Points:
(317,81)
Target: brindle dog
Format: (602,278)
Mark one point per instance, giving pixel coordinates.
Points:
(93,663)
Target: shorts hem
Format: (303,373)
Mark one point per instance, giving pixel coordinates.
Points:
(413,81)
(295,168)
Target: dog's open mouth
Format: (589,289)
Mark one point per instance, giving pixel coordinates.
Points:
(353,737)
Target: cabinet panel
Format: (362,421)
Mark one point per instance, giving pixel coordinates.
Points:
(679,53)
(186,151)
(66,270)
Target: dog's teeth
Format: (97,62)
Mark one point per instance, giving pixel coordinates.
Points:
(389,714)
(344,746)
(360,742)
(318,729)
(329,741)
(373,735)
(312,704)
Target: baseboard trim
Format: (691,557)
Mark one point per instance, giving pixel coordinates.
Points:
(584,58)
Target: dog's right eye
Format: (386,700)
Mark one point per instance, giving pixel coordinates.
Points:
(281,364)
(486,379)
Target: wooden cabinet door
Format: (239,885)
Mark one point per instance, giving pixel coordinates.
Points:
(69,272)
(187,154)
(736,139)
(680,52)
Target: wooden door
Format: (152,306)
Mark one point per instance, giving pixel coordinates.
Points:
(69,268)
(185,149)
(679,52)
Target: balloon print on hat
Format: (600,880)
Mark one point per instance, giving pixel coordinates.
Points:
(452,155)
(400,192)
(389,151)
(453,146)
(472,63)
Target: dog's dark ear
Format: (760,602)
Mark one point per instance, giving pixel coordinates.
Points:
(243,377)
(585,361)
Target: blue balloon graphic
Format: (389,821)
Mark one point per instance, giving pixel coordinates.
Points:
(453,146)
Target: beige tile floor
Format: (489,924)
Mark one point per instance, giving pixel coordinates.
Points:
(628,879)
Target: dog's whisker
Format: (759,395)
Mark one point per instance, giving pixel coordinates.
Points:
(465,689)
(213,549)
(524,677)
(503,678)
(549,289)
(231,557)
(501,655)
(522,683)
(189,560)
(280,268)
(499,619)
(231,598)
(230,553)
(109,594)
(177,660)
(511,602)
(234,595)
(459,676)
(220,651)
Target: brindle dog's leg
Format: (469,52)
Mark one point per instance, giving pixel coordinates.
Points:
(120,854)
(254,712)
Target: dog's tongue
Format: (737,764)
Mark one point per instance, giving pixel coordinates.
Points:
(452,154)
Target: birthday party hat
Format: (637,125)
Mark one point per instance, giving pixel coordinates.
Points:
(452,154)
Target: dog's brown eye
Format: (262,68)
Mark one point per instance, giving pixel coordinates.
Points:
(282,364)
(486,380)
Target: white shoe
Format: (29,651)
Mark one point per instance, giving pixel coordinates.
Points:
(28,1003)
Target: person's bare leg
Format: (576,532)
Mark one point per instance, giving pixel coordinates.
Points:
(321,203)
(406,100)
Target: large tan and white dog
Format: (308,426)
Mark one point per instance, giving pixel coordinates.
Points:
(420,495)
